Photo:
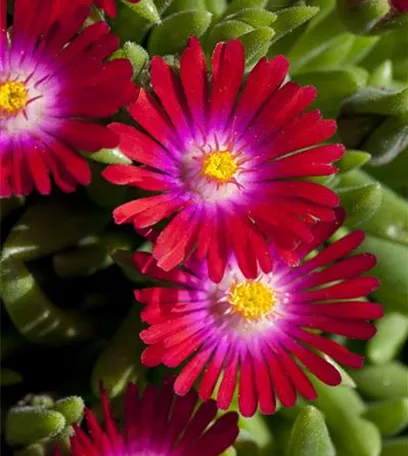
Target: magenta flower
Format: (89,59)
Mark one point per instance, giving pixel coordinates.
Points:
(257,332)
(222,163)
(54,83)
(157,423)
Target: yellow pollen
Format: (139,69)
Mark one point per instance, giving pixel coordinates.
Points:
(220,166)
(13,97)
(253,300)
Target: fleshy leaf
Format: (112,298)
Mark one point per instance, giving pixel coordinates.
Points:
(386,381)
(32,313)
(310,436)
(50,225)
(352,159)
(25,425)
(354,435)
(120,362)
(172,34)
(392,332)
(72,408)
(9,377)
(391,417)
(360,203)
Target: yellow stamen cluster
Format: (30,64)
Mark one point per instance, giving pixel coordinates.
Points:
(220,166)
(253,300)
(13,97)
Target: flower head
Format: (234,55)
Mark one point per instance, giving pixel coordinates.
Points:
(226,166)
(259,332)
(157,423)
(54,83)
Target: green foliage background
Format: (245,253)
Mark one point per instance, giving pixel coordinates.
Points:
(68,316)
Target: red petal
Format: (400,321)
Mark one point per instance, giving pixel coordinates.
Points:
(228,70)
(168,88)
(193,72)
(263,81)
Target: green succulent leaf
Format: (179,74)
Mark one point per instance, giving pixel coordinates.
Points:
(256,44)
(72,408)
(350,433)
(50,225)
(254,17)
(395,447)
(162,5)
(26,425)
(360,203)
(32,313)
(32,450)
(386,381)
(382,75)
(216,7)
(120,362)
(391,270)
(361,18)
(7,206)
(310,436)
(388,140)
(374,100)
(227,30)
(237,5)
(145,9)
(136,55)
(133,20)
(391,219)
(109,157)
(290,18)
(9,377)
(352,159)
(391,417)
(334,86)
(172,34)
(178,6)
(392,332)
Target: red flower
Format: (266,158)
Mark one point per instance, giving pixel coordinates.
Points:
(54,83)
(109,6)
(400,5)
(257,332)
(221,162)
(158,423)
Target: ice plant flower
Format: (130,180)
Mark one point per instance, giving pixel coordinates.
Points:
(259,332)
(157,423)
(226,167)
(54,82)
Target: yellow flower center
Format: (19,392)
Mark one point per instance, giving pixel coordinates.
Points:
(220,166)
(253,300)
(13,97)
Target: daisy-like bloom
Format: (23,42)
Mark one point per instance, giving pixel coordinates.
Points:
(260,333)
(54,82)
(158,423)
(222,163)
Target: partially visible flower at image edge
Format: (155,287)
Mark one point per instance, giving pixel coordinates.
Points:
(222,163)
(157,422)
(258,333)
(400,5)
(109,6)
(54,83)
